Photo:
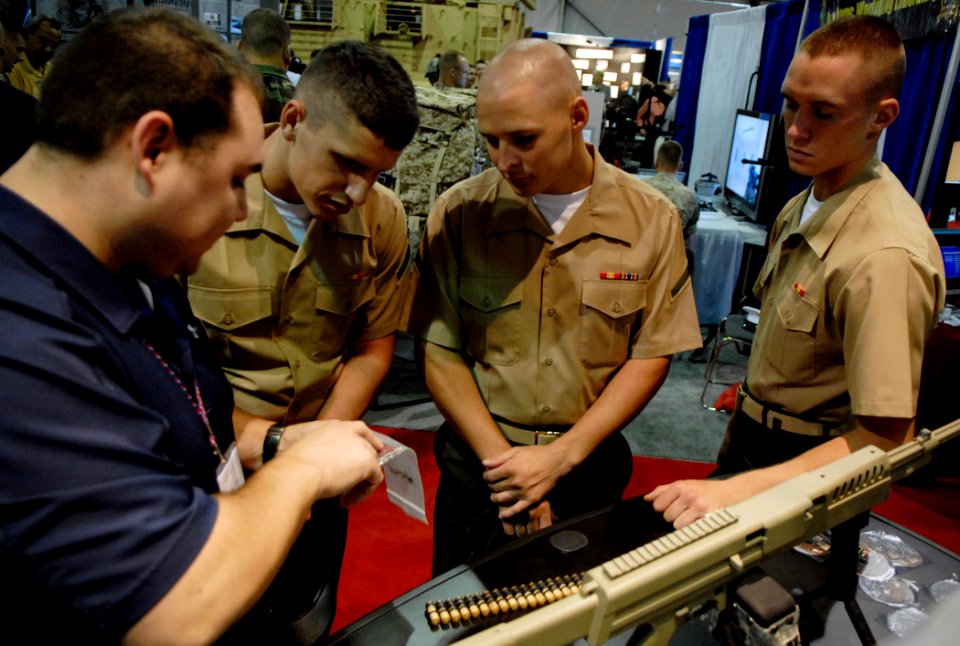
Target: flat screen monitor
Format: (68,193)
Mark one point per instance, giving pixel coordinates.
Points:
(748,162)
(949,241)
(945,208)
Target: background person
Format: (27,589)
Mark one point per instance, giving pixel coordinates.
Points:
(11,51)
(668,164)
(18,109)
(43,39)
(265,44)
(454,70)
(553,291)
(122,510)
(851,287)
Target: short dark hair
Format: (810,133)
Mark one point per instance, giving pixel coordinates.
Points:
(874,39)
(265,32)
(35,23)
(129,62)
(366,81)
(670,154)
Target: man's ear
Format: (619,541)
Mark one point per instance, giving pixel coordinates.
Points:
(579,113)
(152,140)
(886,114)
(293,116)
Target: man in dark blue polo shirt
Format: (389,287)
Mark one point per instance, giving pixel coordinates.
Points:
(124,514)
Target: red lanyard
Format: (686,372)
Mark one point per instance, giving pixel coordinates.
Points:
(196,400)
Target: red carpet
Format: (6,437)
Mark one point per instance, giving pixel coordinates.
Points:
(388,553)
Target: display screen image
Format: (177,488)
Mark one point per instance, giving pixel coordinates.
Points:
(949,241)
(751,136)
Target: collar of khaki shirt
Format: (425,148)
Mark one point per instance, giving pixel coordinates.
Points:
(822,229)
(595,216)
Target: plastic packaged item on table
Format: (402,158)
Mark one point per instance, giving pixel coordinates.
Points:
(877,567)
(940,590)
(906,621)
(895,591)
(891,546)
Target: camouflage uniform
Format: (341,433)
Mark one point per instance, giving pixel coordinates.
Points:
(447,148)
(279,91)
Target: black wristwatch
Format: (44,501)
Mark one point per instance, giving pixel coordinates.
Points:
(272,441)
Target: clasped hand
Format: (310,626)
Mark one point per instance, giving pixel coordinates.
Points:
(519,479)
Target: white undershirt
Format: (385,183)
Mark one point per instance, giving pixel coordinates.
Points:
(809,208)
(558,209)
(295,216)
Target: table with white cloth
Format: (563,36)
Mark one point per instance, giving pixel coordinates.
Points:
(719,248)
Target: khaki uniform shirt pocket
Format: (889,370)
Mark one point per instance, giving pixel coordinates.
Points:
(491,318)
(224,312)
(798,350)
(338,304)
(609,310)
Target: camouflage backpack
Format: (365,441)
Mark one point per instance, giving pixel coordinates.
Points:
(447,148)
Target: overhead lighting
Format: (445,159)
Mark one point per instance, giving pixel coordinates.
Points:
(581,64)
(638,58)
(602,65)
(625,68)
(587,78)
(595,53)
(637,78)
(610,76)
(614,91)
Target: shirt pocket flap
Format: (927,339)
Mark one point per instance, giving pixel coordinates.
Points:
(229,309)
(615,298)
(345,297)
(490,294)
(798,314)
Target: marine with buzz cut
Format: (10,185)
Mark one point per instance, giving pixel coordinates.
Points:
(553,291)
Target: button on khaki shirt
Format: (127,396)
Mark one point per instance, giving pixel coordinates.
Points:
(282,316)
(546,320)
(848,300)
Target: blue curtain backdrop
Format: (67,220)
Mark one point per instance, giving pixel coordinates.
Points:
(781,26)
(906,143)
(779,37)
(689,93)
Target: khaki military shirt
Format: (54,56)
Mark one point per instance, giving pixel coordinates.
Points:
(282,317)
(26,78)
(847,302)
(545,321)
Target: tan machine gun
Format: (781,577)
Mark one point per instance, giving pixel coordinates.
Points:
(662,583)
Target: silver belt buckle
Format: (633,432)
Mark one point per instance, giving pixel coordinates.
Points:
(542,438)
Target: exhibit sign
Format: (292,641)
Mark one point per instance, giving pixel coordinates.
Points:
(912,18)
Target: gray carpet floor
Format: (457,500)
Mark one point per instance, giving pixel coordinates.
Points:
(673,425)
